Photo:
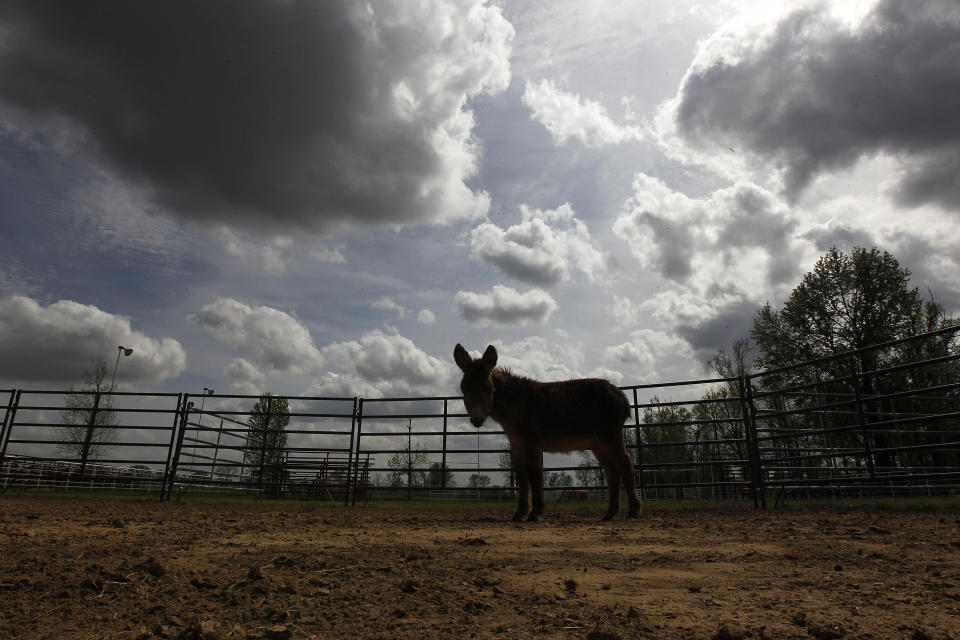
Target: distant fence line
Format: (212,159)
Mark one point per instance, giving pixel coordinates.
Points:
(878,421)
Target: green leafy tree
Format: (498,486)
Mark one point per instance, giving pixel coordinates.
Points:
(440,477)
(505,462)
(850,302)
(845,303)
(559,479)
(82,438)
(665,431)
(479,480)
(588,473)
(720,420)
(266,438)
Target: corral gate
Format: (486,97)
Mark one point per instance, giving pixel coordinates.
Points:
(821,427)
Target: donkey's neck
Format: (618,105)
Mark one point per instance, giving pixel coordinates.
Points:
(510,393)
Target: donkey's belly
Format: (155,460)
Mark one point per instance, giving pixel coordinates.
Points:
(559,443)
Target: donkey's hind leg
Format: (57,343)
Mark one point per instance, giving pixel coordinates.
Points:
(624,465)
(613,483)
(536,485)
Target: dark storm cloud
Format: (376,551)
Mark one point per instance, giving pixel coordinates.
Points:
(843,238)
(696,240)
(731,323)
(816,95)
(266,113)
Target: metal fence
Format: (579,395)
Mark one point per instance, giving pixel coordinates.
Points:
(878,421)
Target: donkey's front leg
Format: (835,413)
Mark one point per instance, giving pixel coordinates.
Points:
(523,486)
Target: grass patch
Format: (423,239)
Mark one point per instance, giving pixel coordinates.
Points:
(917,503)
(506,505)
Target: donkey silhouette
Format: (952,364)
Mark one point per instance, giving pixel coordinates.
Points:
(571,415)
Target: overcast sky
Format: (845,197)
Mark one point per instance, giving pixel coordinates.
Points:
(325,197)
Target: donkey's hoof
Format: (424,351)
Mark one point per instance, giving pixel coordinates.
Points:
(534,517)
(607,517)
(517,517)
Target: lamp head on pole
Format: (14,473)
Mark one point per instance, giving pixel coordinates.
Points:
(209,392)
(125,351)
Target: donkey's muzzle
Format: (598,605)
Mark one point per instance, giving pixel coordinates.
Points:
(477,422)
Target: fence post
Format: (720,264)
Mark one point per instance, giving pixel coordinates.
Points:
(85,451)
(186,407)
(862,418)
(443,456)
(753,447)
(638,462)
(356,476)
(173,440)
(351,473)
(8,417)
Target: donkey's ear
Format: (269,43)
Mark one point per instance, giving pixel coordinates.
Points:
(490,357)
(461,357)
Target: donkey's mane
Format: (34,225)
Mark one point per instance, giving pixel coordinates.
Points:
(508,375)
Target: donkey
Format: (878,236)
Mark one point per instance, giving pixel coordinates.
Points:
(550,416)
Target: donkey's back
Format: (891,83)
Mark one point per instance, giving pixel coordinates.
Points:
(562,416)
(584,399)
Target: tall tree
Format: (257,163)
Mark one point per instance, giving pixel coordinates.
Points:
(845,303)
(850,302)
(407,465)
(665,431)
(86,434)
(266,438)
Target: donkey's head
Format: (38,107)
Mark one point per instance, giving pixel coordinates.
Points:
(476,385)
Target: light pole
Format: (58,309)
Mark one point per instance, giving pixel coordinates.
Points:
(108,406)
(120,350)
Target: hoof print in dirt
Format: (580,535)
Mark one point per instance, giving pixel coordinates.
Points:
(604,633)
(194,631)
(726,633)
(473,542)
(280,632)
(152,567)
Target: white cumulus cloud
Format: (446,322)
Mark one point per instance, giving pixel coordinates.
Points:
(389,363)
(739,237)
(58,342)
(270,337)
(505,305)
(568,116)
(542,249)
(388,305)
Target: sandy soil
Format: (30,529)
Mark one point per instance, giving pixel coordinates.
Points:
(142,570)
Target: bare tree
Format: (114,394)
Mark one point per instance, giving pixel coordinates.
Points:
(89,421)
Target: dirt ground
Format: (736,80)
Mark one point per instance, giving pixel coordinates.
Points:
(95,568)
